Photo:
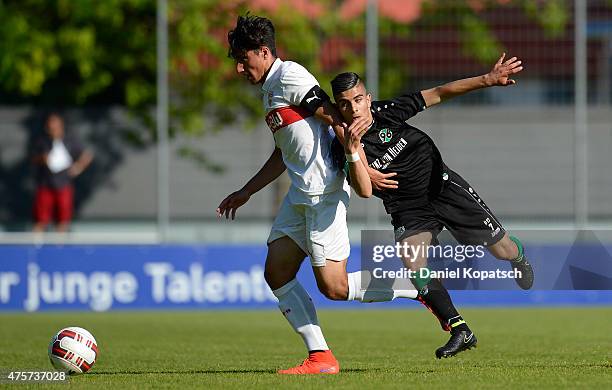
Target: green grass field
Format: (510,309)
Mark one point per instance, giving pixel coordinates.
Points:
(518,348)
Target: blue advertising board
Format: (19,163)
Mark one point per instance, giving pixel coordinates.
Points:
(127,277)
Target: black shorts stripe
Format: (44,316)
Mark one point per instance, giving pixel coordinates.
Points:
(481,203)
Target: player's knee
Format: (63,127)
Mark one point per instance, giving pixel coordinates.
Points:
(268,277)
(416,265)
(275,279)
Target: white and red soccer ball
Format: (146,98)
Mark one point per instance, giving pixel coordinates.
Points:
(73,350)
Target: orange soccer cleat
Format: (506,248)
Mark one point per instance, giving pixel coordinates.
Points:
(322,362)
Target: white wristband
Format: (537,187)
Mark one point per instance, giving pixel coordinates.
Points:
(354,157)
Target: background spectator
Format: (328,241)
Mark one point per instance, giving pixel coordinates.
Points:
(59,159)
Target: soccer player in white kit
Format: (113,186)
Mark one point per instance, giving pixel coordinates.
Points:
(312,217)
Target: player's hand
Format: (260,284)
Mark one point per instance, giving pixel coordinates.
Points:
(231,203)
(382,181)
(353,134)
(503,70)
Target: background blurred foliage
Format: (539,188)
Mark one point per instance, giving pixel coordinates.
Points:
(90,52)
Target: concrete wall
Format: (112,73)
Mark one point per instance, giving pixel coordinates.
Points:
(519,159)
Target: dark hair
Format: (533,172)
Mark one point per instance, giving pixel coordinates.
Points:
(251,33)
(50,114)
(344,82)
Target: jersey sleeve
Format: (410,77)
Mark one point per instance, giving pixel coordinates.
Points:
(296,82)
(399,109)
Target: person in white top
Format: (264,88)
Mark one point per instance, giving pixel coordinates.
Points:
(312,217)
(58,160)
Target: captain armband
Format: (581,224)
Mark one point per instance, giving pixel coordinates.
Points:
(314,99)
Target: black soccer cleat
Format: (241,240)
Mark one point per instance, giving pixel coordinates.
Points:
(459,341)
(526,280)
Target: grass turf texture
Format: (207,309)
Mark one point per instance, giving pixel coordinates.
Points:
(518,348)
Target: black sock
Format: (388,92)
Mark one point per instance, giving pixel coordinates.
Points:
(435,296)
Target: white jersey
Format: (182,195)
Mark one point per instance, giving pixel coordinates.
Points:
(305,142)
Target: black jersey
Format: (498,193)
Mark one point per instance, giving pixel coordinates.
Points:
(392,145)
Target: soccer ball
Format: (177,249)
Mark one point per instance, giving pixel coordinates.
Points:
(73,350)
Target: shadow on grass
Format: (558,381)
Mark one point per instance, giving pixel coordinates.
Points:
(220,371)
(344,370)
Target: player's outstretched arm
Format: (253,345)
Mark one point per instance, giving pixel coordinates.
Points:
(272,169)
(500,75)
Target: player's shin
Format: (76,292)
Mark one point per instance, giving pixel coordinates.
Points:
(436,298)
(297,307)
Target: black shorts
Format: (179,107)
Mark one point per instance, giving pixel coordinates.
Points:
(457,208)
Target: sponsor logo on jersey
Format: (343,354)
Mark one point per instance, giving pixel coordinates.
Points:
(284,116)
(394,151)
(274,121)
(313,97)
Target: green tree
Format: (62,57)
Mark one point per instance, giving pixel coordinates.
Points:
(79,52)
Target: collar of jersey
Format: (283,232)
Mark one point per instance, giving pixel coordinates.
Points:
(371,124)
(273,69)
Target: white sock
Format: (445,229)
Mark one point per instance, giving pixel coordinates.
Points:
(297,307)
(375,294)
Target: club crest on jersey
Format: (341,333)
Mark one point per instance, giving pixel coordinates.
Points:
(385,135)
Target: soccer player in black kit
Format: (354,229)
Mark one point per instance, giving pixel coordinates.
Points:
(428,195)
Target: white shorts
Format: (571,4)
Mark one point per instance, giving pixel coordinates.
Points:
(319,229)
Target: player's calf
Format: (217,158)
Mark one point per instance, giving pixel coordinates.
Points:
(332,280)
(521,267)
(511,249)
(335,292)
